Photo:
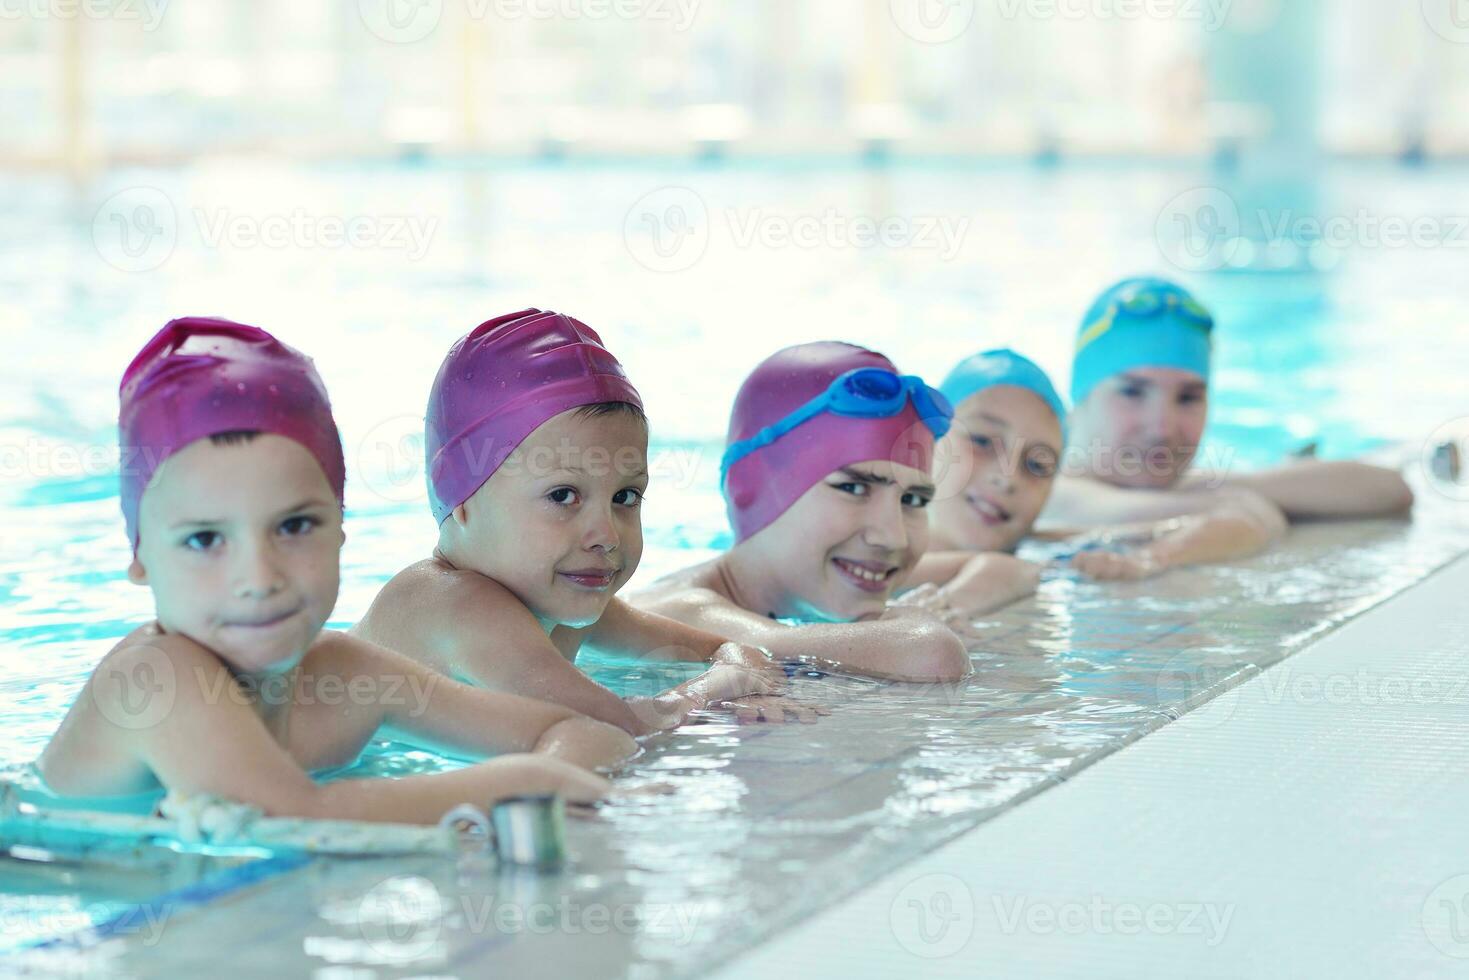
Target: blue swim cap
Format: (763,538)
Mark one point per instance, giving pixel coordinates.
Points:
(1002,367)
(1140,323)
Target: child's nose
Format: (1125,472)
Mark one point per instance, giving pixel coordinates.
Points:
(257,573)
(885,527)
(601,532)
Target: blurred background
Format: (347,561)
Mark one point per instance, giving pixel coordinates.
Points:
(704,181)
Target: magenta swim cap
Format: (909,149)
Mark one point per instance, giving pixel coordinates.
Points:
(502,381)
(199,377)
(763,485)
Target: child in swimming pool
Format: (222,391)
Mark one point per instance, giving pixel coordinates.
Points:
(232,486)
(1000,462)
(537,456)
(826,480)
(1140,395)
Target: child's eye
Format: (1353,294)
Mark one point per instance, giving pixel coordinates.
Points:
(1190,398)
(295,527)
(628,497)
(203,540)
(1130,392)
(918,500)
(855,489)
(1041,463)
(562,495)
(982,441)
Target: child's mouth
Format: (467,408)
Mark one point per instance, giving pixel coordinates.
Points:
(592,579)
(991,513)
(869,576)
(264,624)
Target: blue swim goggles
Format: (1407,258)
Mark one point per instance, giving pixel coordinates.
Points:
(1145,300)
(864,393)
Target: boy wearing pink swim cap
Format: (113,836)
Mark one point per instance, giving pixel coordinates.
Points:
(232,485)
(537,464)
(827,479)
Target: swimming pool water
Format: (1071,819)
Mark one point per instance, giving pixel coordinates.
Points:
(1353,358)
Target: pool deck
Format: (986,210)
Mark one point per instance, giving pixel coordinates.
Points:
(1310,822)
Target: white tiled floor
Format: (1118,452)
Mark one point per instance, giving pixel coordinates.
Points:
(1312,822)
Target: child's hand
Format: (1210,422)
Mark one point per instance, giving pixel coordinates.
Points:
(989,582)
(725,682)
(1110,566)
(750,658)
(761,708)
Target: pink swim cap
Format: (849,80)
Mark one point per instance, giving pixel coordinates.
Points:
(763,485)
(502,381)
(199,377)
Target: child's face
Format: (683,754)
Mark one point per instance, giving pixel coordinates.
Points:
(1142,428)
(849,541)
(1000,460)
(559,524)
(241,545)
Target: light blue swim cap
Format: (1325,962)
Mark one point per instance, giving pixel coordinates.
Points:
(1141,323)
(1002,367)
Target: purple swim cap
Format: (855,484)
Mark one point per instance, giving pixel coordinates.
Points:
(763,485)
(199,377)
(498,384)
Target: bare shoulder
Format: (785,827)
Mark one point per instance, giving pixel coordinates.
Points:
(430,603)
(685,591)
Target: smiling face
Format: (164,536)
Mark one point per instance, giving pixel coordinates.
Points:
(1000,460)
(240,540)
(849,541)
(1141,428)
(559,524)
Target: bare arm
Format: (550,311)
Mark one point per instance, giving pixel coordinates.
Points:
(219,746)
(902,644)
(1079,504)
(1326,489)
(1239,529)
(971,583)
(461,720)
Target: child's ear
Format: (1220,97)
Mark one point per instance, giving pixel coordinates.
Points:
(137,574)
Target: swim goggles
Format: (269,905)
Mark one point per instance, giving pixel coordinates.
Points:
(865,393)
(1147,301)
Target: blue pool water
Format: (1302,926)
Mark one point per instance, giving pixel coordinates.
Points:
(1362,355)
